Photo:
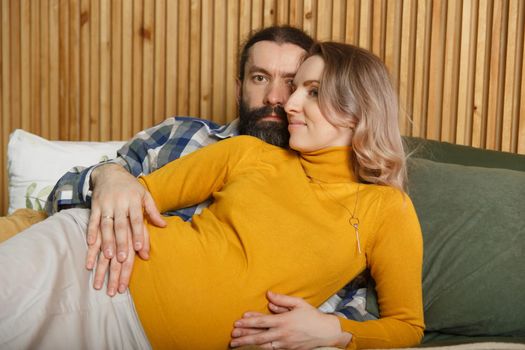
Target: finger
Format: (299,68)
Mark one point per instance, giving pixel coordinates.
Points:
(108,235)
(258,321)
(127,268)
(284,300)
(251,314)
(100,271)
(277,309)
(93,251)
(114,275)
(93,225)
(241,332)
(121,227)
(153,213)
(136,221)
(144,252)
(262,338)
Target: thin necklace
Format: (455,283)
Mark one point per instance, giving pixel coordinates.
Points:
(354,220)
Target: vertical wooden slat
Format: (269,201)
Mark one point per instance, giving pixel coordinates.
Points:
(127,70)
(54,68)
(518,125)
(352,22)
(451,72)
(183,48)
(73,89)
(393,39)
(195,57)
(269,12)
(4,103)
(492,139)
(172,60)
(232,44)
(365,24)
(219,61)
(482,73)
(245,20)
(324,20)
(511,75)
(406,72)
(296,13)
(44,37)
(84,102)
(338,17)
(94,71)
(25,61)
(63,40)
(466,77)
(377,27)
(116,69)
(257,14)
(159,99)
(309,17)
(35,100)
(422,59)
(436,71)
(206,100)
(283,12)
(105,70)
(148,67)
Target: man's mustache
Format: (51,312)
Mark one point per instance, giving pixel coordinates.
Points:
(259,113)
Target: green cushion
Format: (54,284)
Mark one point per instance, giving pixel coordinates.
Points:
(445,152)
(473,223)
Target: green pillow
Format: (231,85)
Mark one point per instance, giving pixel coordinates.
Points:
(473,223)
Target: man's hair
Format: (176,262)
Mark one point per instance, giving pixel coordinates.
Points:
(277,34)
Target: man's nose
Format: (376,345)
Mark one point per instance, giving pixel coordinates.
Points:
(277,94)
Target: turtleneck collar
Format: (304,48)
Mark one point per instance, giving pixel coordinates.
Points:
(329,165)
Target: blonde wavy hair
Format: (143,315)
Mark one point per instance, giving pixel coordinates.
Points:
(356,91)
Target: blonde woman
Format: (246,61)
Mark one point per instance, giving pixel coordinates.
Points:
(301,222)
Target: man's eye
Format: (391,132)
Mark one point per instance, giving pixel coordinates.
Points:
(259,78)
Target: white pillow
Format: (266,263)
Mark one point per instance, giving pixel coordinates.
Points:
(35,164)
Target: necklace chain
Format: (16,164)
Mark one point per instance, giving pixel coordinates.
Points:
(354,220)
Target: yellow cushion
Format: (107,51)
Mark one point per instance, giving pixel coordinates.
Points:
(18,221)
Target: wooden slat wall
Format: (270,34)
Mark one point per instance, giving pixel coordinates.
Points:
(105,69)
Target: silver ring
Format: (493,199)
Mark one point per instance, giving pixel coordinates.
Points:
(107,217)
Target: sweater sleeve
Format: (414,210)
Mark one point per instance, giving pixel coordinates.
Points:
(395,258)
(195,177)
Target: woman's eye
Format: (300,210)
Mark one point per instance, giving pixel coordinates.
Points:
(313,92)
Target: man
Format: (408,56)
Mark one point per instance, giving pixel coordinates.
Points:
(267,66)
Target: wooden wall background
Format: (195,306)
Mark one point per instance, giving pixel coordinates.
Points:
(105,69)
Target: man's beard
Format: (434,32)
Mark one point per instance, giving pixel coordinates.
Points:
(273,132)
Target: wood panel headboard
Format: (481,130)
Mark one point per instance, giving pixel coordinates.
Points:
(101,70)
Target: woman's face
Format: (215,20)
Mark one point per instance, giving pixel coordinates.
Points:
(308,127)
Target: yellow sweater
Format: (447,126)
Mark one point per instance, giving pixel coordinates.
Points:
(273,226)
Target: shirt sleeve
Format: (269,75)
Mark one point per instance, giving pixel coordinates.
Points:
(395,259)
(193,178)
(149,150)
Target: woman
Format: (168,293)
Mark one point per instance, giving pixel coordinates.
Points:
(267,228)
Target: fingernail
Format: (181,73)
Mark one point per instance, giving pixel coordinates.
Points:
(122,256)
(237,324)
(138,245)
(121,288)
(109,253)
(111,291)
(236,333)
(234,343)
(97,285)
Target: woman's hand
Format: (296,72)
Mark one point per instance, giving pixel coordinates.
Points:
(295,324)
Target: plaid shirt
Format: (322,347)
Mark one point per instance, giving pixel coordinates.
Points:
(153,148)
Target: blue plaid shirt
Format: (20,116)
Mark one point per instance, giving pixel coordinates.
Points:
(153,148)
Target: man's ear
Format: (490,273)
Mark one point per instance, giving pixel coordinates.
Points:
(238,87)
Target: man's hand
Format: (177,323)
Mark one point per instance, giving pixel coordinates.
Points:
(295,324)
(117,207)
